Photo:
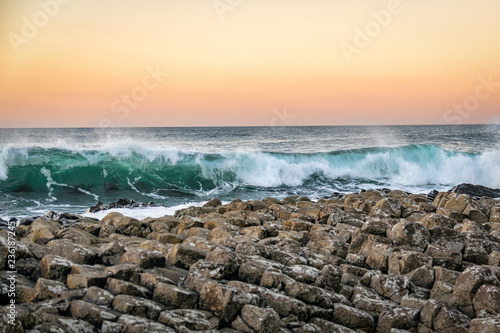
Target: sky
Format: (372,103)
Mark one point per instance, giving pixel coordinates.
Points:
(75,63)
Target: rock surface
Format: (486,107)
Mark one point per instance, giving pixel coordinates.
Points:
(375,261)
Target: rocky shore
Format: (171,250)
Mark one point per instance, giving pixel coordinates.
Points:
(376,261)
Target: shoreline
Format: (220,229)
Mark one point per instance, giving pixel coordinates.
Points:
(364,261)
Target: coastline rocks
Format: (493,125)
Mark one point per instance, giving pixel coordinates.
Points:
(120,203)
(476,190)
(374,261)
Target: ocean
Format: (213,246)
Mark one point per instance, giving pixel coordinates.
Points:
(69,170)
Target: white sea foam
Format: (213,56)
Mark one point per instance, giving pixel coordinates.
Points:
(143,212)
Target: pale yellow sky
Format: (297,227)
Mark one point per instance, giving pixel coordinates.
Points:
(86,63)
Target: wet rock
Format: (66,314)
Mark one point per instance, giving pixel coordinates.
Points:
(213,203)
(476,190)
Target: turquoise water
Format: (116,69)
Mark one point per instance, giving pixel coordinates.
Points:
(72,169)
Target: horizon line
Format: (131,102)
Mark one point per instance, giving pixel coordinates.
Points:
(245,126)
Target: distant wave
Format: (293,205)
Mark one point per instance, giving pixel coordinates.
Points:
(163,173)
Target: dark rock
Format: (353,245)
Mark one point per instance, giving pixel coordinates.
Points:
(138,306)
(175,297)
(191,319)
(137,324)
(432,195)
(92,313)
(98,296)
(255,319)
(117,286)
(143,258)
(86,280)
(284,305)
(476,190)
(353,318)
(47,289)
(398,318)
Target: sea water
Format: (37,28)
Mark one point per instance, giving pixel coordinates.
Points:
(69,170)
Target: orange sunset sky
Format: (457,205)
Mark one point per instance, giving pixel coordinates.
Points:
(72,63)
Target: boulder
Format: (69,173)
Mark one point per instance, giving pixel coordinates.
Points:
(255,319)
(284,305)
(42,230)
(183,255)
(173,296)
(353,318)
(139,324)
(54,267)
(47,289)
(487,301)
(92,313)
(117,286)
(467,285)
(476,190)
(222,300)
(98,296)
(194,320)
(138,306)
(480,325)
(410,234)
(143,258)
(398,318)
